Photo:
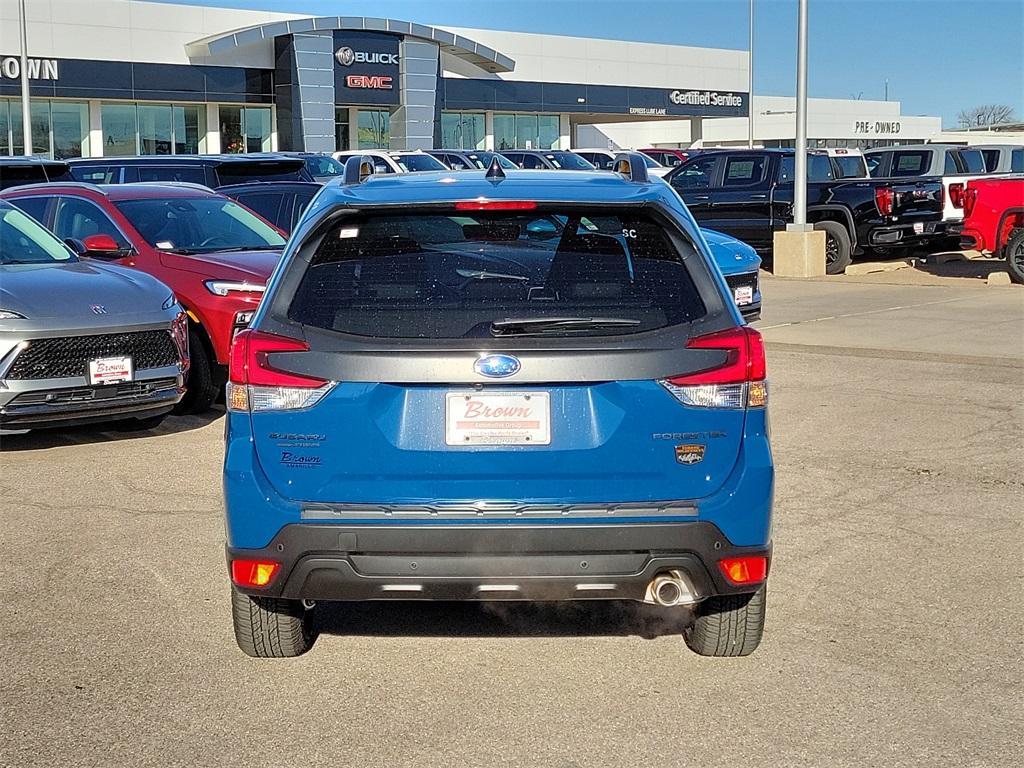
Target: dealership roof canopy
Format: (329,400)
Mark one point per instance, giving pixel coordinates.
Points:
(486,58)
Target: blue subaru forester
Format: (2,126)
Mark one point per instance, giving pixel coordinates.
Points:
(492,385)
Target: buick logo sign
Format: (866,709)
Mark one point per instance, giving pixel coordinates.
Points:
(345,56)
(497,366)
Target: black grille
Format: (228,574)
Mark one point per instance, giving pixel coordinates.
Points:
(736,281)
(70,356)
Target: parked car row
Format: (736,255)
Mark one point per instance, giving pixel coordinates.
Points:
(994,220)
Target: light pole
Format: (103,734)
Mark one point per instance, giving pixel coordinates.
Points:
(800,167)
(750,79)
(26,115)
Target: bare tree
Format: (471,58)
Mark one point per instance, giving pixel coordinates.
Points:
(986,114)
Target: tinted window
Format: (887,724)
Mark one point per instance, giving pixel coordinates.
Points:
(532,161)
(324,165)
(301,202)
(875,164)
(96,174)
(437,276)
(15,174)
(80,218)
(597,160)
(951,166)
(569,160)
(991,157)
(696,174)
(850,166)
(198,224)
(484,160)
(1017,161)
(194,174)
(912,163)
(261,170)
(973,160)
(33,206)
(24,241)
(819,168)
(266,204)
(743,171)
(422,162)
(456,163)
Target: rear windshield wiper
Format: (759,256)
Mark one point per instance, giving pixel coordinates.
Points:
(524,326)
(483,274)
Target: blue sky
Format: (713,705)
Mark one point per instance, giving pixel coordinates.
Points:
(939,56)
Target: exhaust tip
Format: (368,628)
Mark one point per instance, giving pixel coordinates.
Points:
(667,592)
(670,588)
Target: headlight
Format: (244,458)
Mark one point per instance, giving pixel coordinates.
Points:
(224,287)
(6,314)
(169,302)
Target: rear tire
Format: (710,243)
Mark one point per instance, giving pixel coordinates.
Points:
(838,250)
(270,628)
(1014,254)
(730,625)
(201,384)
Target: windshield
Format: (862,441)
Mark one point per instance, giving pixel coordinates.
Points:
(484,159)
(199,225)
(418,162)
(502,273)
(650,161)
(24,241)
(569,161)
(324,165)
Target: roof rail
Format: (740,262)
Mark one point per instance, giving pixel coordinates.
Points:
(75,184)
(631,166)
(358,168)
(169,183)
(494,171)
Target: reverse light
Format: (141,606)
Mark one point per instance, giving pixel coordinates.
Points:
(225,287)
(745,570)
(482,204)
(739,382)
(253,573)
(884,199)
(256,385)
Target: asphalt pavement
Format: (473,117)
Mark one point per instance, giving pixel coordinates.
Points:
(894,633)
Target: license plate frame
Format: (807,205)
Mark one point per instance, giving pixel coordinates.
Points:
(743,295)
(918,227)
(111,370)
(473,419)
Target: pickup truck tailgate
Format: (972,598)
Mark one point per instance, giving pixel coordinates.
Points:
(917,199)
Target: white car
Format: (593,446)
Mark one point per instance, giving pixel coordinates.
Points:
(394,161)
(603,159)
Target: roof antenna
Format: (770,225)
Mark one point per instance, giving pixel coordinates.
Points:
(495,172)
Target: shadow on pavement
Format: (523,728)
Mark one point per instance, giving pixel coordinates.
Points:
(500,619)
(91,434)
(977,268)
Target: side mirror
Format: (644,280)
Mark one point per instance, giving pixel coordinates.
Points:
(102,247)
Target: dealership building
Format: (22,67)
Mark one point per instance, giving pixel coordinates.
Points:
(125,77)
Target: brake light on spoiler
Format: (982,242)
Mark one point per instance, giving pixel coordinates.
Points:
(739,382)
(483,204)
(254,384)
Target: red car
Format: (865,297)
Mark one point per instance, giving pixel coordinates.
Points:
(214,254)
(669,157)
(994,220)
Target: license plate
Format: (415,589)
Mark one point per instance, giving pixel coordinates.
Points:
(744,295)
(508,418)
(110,370)
(918,227)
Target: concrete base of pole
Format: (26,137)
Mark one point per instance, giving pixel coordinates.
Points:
(799,254)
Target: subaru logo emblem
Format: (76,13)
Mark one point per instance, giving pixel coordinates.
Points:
(98,309)
(497,366)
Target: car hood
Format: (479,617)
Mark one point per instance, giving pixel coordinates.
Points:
(79,292)
(252,266)
(732,256)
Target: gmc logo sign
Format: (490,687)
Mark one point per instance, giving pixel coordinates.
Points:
(376,82)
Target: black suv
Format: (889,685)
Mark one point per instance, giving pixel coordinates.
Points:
(209,170)
(15,171)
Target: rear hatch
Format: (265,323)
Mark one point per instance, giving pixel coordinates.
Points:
(916,199)
(482,357)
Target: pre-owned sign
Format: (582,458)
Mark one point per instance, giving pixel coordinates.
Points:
(366,68)
(877,127)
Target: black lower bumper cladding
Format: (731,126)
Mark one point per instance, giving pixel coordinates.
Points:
(493,561)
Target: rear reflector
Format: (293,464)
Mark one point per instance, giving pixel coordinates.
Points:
(495,205)
(253,573)
(745,570)
(737,383)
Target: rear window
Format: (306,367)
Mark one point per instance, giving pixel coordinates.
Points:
(991,159)
(851,166)
(569,160)
(264,170)
(974,161)
(495,274)
(1017,161)
(911,163)
(193,174)
(819,168)
(418,162)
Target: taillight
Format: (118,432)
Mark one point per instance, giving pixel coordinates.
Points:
(253,573)
(745,570)
(970,198)
(956,195)
(483,204)
(739,382)
(256,385)
(884,200)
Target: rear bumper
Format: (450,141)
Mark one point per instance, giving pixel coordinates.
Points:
(905,234)
(494,561)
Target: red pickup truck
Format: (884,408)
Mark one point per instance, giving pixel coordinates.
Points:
(994,220)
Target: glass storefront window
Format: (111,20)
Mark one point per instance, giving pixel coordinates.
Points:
(244,129)
(40,128)
(374,129)
(462,130)
(505,132)
(70,124)
(5,128)
(526,131)
(341,142)
(231,130)
(60,129)
(120,129)
(155,129)
(189,123)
